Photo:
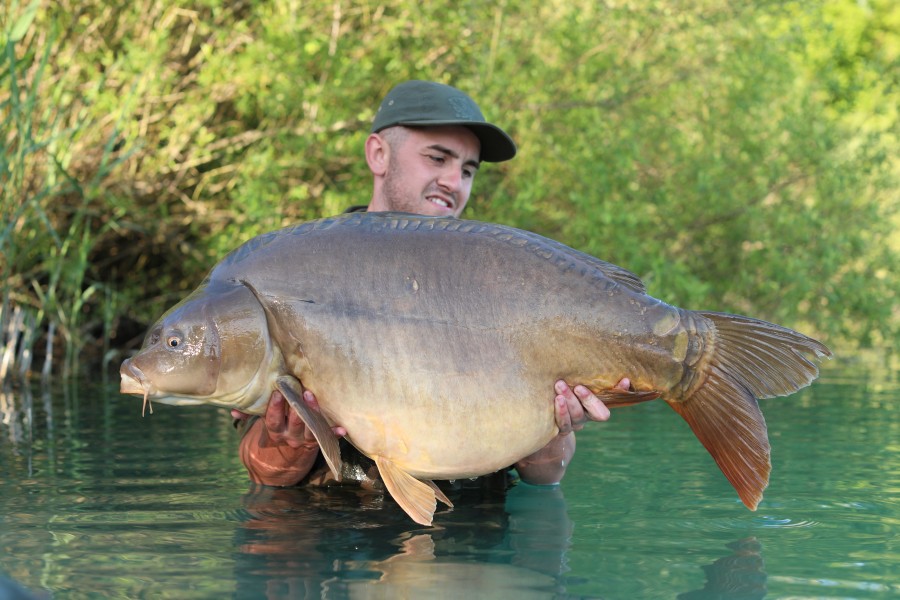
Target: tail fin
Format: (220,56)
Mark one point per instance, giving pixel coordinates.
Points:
(751,359)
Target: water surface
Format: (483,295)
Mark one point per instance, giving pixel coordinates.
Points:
(97,501)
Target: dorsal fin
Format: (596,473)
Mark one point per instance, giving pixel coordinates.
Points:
(616,273)
(542,246)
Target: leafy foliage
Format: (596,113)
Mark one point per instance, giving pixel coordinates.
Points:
(737,156)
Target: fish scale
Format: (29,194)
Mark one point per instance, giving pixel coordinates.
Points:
(435,342)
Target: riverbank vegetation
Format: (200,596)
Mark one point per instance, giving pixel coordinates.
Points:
(737,156)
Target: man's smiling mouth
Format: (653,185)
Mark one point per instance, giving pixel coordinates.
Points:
(442,202)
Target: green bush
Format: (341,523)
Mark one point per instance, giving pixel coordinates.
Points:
(737,156)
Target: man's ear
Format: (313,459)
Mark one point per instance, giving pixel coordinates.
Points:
(378,154)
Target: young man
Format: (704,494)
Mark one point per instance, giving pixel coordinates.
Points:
(427,143)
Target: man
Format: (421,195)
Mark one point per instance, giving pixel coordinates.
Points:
(427,143)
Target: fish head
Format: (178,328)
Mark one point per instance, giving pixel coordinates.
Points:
(211,348)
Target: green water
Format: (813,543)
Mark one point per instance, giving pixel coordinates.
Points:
(96,501)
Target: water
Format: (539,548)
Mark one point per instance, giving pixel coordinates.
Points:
(96,501)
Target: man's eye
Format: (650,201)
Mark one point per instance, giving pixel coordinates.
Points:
(437,159)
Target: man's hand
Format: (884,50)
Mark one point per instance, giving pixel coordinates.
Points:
(573,408)
(284,426)
(279,449)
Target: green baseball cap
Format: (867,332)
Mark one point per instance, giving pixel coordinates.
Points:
(430,104)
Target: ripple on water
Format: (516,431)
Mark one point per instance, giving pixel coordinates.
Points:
(774,522)
(739,523)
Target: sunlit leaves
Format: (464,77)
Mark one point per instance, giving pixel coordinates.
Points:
(737,156)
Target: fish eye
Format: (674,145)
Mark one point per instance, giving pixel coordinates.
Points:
(173,341)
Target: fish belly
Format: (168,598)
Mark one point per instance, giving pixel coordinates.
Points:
(438,402)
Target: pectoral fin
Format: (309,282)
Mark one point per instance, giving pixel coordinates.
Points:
(328,442)
(417,498)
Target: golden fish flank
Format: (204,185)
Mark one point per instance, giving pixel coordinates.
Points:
(366,311)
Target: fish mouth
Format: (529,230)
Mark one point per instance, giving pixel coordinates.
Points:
(135,382)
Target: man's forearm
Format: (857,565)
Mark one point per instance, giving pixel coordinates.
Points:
(274,464)
(549,464)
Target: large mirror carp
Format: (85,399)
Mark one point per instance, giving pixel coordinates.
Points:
(410,330)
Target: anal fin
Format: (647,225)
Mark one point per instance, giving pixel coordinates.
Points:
(417,498)
(328,441)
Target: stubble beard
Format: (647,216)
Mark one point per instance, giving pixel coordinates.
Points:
(398,198)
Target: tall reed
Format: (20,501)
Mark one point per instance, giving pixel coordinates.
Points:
(51,209)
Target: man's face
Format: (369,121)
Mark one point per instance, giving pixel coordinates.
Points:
(431,171)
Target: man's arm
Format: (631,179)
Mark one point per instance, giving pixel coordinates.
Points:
(574,408)
(278,449)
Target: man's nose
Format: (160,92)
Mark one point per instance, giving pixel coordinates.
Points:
(450,180)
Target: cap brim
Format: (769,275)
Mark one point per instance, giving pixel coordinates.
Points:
(496,145)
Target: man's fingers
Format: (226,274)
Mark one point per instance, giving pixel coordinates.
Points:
(295,424)
(624,384)
(275,414)
(595,408)
(573,418)
(563,418)
(310,400)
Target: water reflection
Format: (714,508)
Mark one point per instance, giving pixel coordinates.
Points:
(12,590)
(342,542)
(17,412)
(346,543)
(738,576)
(95,500)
